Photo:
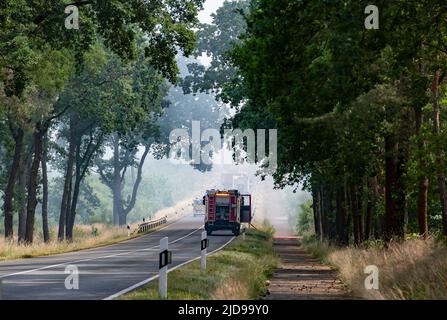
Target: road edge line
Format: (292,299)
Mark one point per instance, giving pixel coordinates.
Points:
(95,258)
(142,283)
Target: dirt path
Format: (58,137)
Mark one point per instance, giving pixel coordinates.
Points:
(301,277)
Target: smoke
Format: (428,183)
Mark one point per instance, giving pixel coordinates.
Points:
(278,207)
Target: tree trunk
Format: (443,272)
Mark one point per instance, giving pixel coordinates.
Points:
(315,209)
(320,214)
(117,203)
(360,213)
(368,221)
(439,151)
(326,198)
(355,213)
(340,218)
(45,229)
(67,184)
(136,186)
(9,192)
(317,214)
(347,190)
(117,183)
(72,215)
(321,211)
(443,198)
(394,190)
(82,165)
(23,174)
(371,210)
(390,178)
(423,180)
(33,183)
(22,200)
(401,201)
(122,219)
(74,201)
(73,194)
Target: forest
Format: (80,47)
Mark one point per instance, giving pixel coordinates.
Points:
(82,110)
(360,112)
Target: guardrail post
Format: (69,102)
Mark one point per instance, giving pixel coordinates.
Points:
(163,273)
(203,247)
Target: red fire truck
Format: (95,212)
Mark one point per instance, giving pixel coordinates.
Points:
(226,210)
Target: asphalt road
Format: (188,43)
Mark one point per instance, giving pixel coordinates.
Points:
(104,271)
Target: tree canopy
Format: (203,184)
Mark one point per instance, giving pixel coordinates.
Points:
(352,108)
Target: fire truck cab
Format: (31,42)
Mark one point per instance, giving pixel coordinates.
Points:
(226,210)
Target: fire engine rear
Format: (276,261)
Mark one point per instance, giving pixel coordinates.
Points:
(226,210)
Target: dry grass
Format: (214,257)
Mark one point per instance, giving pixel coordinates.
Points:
(232,290)
(414,269)
(84,237)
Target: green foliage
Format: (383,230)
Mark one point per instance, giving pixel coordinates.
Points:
(26,27)
(107,77)
(305,222)
(215,41)
(336,91)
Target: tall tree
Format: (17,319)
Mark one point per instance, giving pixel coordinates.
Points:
(134,135)
(29,31)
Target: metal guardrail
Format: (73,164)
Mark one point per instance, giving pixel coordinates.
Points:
(152,224)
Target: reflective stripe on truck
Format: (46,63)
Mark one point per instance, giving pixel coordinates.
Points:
(211,208)
(232,208)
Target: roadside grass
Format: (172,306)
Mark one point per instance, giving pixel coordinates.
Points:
(84,237)
(410,270)
(238,272)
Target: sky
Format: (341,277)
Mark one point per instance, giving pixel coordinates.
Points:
(210,7)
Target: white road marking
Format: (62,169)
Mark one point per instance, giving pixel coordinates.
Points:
(96,258)
(142,283)
(32,282)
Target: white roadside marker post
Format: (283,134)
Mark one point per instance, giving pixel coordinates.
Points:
(128,231)
(243,234)
(164,261)
(203,247)
(1,283)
